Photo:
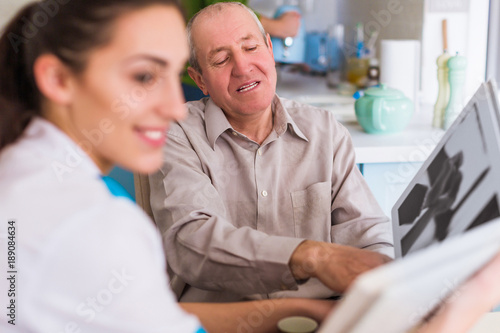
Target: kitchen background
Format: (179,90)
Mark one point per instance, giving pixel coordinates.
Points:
(473,30)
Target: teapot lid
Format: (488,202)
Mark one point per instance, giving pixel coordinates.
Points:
(384,91)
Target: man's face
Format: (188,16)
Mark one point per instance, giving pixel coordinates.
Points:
(237,66)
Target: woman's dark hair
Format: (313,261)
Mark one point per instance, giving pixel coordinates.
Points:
(69,29)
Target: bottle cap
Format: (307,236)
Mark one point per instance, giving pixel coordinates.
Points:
(442,60)
(457,62)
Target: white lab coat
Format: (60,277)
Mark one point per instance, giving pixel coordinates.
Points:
(85,261)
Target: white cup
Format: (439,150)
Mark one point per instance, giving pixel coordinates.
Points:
(297,324)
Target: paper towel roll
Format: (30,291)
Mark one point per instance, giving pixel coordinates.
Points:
(400,66)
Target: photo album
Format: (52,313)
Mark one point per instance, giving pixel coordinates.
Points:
(446,226)
(458,186)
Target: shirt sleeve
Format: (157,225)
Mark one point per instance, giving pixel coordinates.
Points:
(357,218)
(202,246)
(104,271)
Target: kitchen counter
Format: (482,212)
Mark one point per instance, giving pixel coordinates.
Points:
(414,144)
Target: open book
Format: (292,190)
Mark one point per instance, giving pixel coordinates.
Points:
(446,226)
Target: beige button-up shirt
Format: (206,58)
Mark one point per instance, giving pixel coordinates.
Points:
(231,211)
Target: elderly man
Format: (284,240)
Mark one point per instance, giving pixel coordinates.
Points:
(259,196)
(287,25)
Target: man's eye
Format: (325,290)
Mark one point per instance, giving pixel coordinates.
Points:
(253,48)
(222,62)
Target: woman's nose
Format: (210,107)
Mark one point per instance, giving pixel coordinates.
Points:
(172,101)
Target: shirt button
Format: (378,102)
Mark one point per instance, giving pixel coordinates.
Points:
(234,133)
(264,193)
(259,151)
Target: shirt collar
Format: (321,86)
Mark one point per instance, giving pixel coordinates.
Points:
(67,157)
(217,122)
(282,119)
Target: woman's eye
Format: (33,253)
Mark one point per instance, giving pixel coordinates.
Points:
(144,78)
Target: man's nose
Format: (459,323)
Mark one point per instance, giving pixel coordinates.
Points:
(241,64)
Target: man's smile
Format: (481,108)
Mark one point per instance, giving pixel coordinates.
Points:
(248,87)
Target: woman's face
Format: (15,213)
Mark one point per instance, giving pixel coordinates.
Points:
(130,91)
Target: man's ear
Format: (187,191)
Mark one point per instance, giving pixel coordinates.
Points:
(198,79)
(270,43)
(54,79)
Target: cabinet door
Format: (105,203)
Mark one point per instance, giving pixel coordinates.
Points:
(388,180)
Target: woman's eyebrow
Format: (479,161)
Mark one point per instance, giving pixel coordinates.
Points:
(159,61)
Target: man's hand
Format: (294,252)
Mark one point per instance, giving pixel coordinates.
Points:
(334,265)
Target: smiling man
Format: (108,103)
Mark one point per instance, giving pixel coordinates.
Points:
(235,65)
(259,196)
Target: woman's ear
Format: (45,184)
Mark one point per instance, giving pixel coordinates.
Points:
(54,79)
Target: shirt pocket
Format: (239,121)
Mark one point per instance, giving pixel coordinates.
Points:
(311,212)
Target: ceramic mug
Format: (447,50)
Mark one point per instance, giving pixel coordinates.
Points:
(297,324)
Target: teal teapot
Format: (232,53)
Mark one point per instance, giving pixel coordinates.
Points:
(383,110)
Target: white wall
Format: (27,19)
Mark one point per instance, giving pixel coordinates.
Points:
(467,34)
(8,8)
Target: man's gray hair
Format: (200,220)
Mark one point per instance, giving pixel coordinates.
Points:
(215,8)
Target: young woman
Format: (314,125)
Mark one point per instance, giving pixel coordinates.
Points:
(86,84)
